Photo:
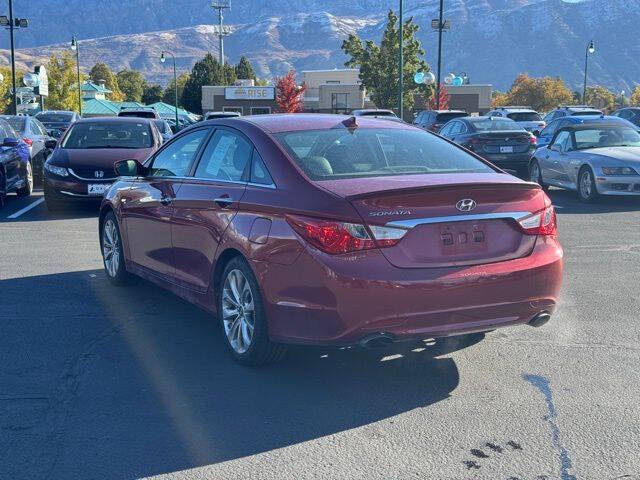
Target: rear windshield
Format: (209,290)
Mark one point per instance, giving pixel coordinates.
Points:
(488,124)
(55,117)
(524,116)
(586,112)
(340,153)
(137,113)
(108,135)
(445,117)
(377,113)
(17,123)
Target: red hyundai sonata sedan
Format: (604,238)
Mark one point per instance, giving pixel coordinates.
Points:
(325,229)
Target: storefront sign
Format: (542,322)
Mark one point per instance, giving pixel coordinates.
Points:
(250,93)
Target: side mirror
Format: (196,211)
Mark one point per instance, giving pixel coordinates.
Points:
(128,168)
(10,142)
(51,144)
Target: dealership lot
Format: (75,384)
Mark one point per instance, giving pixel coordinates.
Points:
(101,382)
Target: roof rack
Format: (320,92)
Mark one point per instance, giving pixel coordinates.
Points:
(138,108)
(522,107)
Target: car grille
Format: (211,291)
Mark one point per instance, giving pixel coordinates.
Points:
(89,173)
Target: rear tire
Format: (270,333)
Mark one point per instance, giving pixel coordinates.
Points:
(587,191)
(28,188)
(242,317)
(535,174)
(112,251)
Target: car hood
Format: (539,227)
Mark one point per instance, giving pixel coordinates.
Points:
(624,155)
(98,158)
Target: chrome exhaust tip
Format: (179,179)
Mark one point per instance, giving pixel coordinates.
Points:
(540,319)
(377,340)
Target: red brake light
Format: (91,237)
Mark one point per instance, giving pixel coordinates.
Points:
(335,237)
(28,141)
(533,140)
(543,222)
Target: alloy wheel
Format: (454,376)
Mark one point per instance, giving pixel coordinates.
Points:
(535,173)
(30,177)
(111,247)
(238,311)
(586,184)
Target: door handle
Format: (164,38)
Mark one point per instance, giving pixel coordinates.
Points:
(166,200)
(223,201)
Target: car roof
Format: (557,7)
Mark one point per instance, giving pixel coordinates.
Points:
(289,122)
(115,119)
(586,126)
(578,107)
(517,109)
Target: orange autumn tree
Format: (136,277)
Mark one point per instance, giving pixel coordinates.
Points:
(444,99)
(289,94)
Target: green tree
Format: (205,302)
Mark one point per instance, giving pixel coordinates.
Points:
(205,72)
(63,83)
(101,73)
(152,94)
(169,93)
(601,98)
(542,94)
(131,83)
(244,69)
(635,97)
(379,64)
(229,74)
(6,99)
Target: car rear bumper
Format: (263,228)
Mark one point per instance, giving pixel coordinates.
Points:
(339,300)
(509,162)
(624,185)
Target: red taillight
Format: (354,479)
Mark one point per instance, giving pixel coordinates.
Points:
(28,141)
(533,140)
(335,237)
(542,222)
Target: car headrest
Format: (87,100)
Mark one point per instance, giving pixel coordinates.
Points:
(319,166)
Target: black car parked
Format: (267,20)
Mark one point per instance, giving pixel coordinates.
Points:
(499,140)
(433,120)
(630,113)
(57,121)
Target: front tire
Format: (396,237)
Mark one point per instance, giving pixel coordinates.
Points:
(28,188)
(535,175)
(587,191)
(242,315)
(112,251)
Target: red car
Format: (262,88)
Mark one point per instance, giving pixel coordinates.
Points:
(334,230)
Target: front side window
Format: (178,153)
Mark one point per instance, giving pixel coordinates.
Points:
(561,140)
(225,157)
(375,152)
(175,159)
(550,129)
(90,135)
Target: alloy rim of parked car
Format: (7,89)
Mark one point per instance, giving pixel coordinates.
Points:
(535,173)
(30,176)
(238,311)
(111,247)
(586,184)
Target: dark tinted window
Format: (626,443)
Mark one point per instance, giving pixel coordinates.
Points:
(259,172)
(109,135)
(550,129)
(225,157)
(585,112)
(18,123)
(445,117)
(176,158)
(55,117)
(339,153)
(488,124)
(524,116)
(163,126)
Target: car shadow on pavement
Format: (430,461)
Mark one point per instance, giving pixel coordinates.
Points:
(134,382)
(567,202)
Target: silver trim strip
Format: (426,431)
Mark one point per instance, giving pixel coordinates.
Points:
(414,222)
(83,195)
(99,180)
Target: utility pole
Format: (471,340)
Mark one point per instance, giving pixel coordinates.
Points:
(13,60)
(221,5)
(401,67)
(440,28)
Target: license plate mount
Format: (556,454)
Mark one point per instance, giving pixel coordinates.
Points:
(97,188)
(506,149)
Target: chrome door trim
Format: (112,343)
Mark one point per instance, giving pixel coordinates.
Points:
(414,222)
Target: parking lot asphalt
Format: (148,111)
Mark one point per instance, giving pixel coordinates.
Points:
(117,383)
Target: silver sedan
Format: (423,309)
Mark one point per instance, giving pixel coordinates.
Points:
(597,159)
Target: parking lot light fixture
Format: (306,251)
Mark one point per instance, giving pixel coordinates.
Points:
(75,48)
(591,48)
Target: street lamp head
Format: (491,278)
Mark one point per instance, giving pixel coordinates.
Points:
(162,57)
(592,47)
(74,45)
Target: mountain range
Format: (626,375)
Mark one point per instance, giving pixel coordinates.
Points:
(490,40)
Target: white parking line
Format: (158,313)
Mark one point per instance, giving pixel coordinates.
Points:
(26,209)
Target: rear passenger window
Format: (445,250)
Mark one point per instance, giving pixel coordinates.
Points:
(225,157)
(259,172)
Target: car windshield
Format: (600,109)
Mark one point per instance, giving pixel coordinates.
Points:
(108,135)
(163,126)
(607,137)
(50,117)
(445,117)
(486,124)
(17,123)
(340,153)
(524,116)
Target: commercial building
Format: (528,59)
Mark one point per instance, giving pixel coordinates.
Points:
(471,98)
(333,91)
(244,97)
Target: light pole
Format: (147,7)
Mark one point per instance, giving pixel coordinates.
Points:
(13,23)
(76,48)
(175,81)
(591,48)
(622,98)
(440,28)
(401,67)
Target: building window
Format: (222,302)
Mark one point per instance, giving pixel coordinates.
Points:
(260,110)
(233,109)
(333,82)
(339,102)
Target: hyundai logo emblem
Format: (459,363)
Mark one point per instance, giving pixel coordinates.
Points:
(98,173)
(466,205)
